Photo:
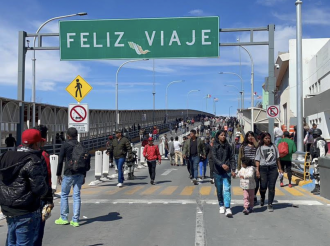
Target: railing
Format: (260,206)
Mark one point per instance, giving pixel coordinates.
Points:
(97,143)
(300,166)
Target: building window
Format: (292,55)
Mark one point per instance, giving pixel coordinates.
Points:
(285,114)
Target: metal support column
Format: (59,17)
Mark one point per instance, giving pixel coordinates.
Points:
(21,83)
(299,71)
(271,78)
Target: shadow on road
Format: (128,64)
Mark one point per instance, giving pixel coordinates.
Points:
(163,181)
(103,218)
(258,209)
(98,244)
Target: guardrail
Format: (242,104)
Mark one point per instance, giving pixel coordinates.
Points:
(301,165)
(97,143)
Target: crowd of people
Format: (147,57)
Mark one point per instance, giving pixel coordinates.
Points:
(26,195)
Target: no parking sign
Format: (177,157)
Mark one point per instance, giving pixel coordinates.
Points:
(79,117)
(273,111)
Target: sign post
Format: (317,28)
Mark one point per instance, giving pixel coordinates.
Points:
(187,37)
(79,117)
(273,111)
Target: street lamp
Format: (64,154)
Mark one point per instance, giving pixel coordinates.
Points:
(215,107)
(229,110)
(117,114)
(34,62)
(252,88)
(240,91)
(188,99)
(175,81)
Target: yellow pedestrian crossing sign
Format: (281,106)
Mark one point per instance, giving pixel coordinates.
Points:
(78,88)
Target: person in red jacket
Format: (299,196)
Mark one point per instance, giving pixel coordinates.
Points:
(151,153)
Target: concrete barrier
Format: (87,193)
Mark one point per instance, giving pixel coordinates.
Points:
(142,159)
(105,166)
(53,168)
(98,164)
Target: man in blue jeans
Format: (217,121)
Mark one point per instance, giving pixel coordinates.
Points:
(194,149)
(120,147)
(22,184)
(72,178)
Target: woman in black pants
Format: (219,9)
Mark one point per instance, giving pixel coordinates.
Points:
(268,163)
(248,149)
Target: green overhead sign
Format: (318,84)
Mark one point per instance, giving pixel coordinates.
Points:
(191,37)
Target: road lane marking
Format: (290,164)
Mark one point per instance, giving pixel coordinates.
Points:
(278,192)
(169,190)
(190,201)
(187,191)
(150,190)
(237,191)
(114,191)
(199,231)
(134,190)
(168,171)
(205,190)
(314,196)
(293,191)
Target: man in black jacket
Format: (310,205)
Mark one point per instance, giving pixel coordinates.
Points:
(71,178)
(22,184)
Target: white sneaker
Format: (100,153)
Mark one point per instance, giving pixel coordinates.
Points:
(119,185)
(222,210)
(228,212)
(199,180)
(166,158)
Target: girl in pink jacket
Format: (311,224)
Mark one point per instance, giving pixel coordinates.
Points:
(247,183)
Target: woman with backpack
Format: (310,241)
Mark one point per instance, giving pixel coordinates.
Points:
(248,150)
(268,163)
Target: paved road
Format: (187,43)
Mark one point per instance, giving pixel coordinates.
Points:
(174,212)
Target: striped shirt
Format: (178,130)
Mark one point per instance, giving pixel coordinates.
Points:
(250,152)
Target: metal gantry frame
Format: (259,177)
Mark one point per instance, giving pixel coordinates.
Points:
(271,64)
(22,49)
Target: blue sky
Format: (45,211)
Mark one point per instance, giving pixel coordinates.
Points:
(136,79)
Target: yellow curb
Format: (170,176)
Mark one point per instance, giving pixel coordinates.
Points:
(314,196)
(298,181)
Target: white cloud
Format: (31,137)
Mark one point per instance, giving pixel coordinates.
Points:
(49,69)
(270,2)
(310,16)
(197,12)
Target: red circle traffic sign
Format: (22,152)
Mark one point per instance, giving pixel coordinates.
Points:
(78,114)
(272,111)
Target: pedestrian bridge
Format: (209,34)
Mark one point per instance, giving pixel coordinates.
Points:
(102,122)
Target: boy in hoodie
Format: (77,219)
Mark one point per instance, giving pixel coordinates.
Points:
(22,184)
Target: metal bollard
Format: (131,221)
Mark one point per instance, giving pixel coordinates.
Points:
(137,152)
(105,167)
(98,164)
(53,168)
(161,148)
(142,159)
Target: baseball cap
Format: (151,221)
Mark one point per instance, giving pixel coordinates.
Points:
(236,138)
(118,131)
(32,136)
(150,139)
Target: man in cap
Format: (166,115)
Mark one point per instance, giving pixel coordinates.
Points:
(121,146)
(22,184)
(151,153)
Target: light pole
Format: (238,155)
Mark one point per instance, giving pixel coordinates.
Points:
(34,62)
(215,107)
(240,91)
(299,72)
(117,114)
(188,99)
(229,110)
(252,88)
(175,81)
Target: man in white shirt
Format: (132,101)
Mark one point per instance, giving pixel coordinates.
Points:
(177,151)
(278,133)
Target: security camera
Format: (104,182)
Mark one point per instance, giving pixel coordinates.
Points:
(277,66)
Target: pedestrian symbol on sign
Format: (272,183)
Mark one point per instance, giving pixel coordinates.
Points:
(78,86)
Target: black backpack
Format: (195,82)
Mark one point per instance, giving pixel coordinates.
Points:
(315,151)
(80,160)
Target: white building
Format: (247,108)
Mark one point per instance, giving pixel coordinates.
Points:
(286,89)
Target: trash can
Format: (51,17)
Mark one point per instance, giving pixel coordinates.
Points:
(324,165)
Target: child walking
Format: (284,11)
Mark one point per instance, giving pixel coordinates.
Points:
(247,183)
